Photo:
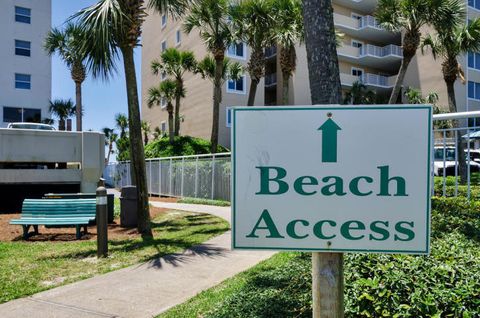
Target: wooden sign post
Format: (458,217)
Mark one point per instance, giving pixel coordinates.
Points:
(330,180)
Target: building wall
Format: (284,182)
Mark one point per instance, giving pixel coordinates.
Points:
(196,108)
(38,64)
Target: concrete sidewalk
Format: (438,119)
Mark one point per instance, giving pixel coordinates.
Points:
(144,290)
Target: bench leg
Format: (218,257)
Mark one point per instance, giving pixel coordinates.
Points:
(78,232)
(85,230)
(25,231)
(35,228)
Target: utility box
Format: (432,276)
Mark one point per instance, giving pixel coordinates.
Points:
(128,207)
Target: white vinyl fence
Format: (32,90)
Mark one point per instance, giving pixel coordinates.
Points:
(208,176)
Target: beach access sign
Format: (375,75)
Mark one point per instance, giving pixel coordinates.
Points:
(332,178)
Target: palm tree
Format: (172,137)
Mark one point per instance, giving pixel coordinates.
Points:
(62,109)
(110,138)
(325,88)
(253,22)
(359,94)
(175,63)
(207,68)
(288,31)
(407,17)
(146,131)
(157,133)
(452,40)
(211,19)
(121,121)
(69,45)
(167,90)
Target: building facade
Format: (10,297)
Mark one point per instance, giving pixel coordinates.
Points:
(368,54)
(25,79)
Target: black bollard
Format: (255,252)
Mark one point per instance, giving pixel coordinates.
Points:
(102,221)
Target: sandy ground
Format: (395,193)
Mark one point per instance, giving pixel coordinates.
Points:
(14,232)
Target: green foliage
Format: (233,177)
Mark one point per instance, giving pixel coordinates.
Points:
(204,201)
(462,190)
(182,146)
(123,148)
(444,284)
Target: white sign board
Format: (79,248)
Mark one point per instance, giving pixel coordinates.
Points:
(332,179)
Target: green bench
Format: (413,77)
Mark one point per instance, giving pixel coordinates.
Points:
(56,212)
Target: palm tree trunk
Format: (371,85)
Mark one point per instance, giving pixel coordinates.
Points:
(253,91)
(177,106)
(217,99)
(171,130)
(285,88)
(110,147)
(320,41)
(78,105)
(61,124)
(452,106)
(400,77)
(325,88)
(137,154)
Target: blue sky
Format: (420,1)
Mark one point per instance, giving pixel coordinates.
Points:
(101,100)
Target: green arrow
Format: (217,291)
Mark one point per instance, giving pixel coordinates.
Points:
(329,140)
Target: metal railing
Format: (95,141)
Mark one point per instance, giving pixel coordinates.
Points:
(391,49)
(208,176)
(374,79)
(446,168)
(198,176)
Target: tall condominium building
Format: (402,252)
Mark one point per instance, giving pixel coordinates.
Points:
(368,54)
(25,79)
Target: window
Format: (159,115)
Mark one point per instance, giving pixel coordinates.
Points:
(228,120)
(163,102)
(32,115)
(23,81)
(23,15)
(22,48)
(356,16)
(357,44)
(473,90)
(163,126)
(164,21)
(163,76)
(357,71)
(474,4)
(237,86)
(12,114)
(474,60)
(19,114)
(178,37)
(237,50)
(164,45)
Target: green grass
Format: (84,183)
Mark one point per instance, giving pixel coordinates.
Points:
(204,201)
(30,267)
(116,207)
(444,284)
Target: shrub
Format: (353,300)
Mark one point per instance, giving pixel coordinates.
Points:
(444,284)
(182,146)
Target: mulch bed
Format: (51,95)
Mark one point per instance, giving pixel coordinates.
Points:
(10,233)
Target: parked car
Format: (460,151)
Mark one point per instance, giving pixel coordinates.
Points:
(439,164)
(30,126)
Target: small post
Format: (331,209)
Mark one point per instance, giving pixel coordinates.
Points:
(327,285)
(101,218)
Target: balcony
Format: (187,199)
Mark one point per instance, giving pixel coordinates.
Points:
(373,81)
(358,5)
(270,80)
(387,58)
(366,28)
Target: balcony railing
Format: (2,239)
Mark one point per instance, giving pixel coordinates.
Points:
(271,79)
(270,52)
(368,21)
(374,80)
(369,49)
